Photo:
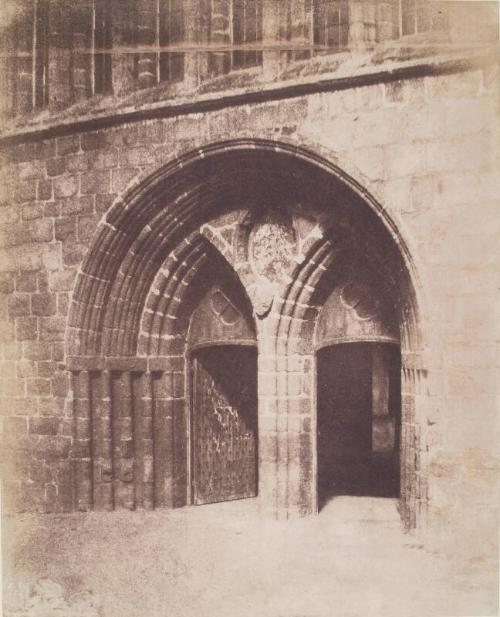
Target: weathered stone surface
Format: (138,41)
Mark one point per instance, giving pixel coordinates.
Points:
(44,426)
(422,155)
(65,186)
(272,247)
(43,304)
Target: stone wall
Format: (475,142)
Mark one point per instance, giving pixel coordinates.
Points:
(425,148)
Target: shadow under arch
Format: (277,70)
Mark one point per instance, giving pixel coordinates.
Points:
(369,267)
(159,219)
(221,369)
(151,217)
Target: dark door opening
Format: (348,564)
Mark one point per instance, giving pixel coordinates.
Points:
(359,404)
(224,423)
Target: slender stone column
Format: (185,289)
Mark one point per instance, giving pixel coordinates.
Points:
(147,16)
(267,424)
(81,42)
(196,37)
(123,443)
(22,45)
(5,81)
(220,34)
(356,39)
(301,27)
(164,388)
(147,435)
(103,441)
(82,449)
(60,74)
(372,21)
(387,20)
(270,36)
(124,37)
(414,400)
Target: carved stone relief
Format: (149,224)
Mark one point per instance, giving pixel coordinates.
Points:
(272,246)
(264,245)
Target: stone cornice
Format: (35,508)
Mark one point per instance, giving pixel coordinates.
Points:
(258,93)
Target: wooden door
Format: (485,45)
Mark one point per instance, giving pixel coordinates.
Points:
(224,423)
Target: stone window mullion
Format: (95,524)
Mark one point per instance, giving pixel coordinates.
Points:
(169,33)
(81,42)
(158,42)
(124,36)
(40,53)
(416,16)
(147,18)
(301,28)
(331,21)
(23,65)
(245,28)
(221,33)
(101,45)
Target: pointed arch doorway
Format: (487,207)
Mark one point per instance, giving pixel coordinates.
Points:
(223,394)
(358,420)
(358,363)
(127,346)
(223,423)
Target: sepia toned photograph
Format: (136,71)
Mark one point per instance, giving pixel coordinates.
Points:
(249,308)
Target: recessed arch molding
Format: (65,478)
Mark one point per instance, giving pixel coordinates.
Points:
(221,208)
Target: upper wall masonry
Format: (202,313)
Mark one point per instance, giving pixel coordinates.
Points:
(64,59)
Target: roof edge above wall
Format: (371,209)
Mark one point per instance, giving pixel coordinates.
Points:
(362,76)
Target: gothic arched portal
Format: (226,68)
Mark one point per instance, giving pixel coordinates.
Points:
(270,232)
(222,371)
(358,362)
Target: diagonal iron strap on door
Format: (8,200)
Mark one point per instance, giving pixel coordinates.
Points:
(224,424)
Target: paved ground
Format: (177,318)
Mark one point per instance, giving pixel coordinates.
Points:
(223,560)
